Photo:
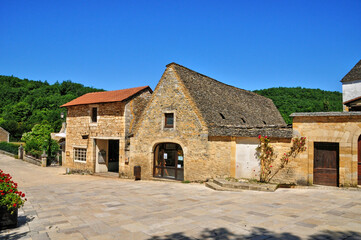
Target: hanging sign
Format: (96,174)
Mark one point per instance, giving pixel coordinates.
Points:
(165,156)
(180,158)
(179,165)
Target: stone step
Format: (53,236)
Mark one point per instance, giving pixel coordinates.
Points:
(216,187)
(245,186)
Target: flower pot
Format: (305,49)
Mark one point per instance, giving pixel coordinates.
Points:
(8,220)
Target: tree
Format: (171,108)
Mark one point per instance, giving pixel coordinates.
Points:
(39,140)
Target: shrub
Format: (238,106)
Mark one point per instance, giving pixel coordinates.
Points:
(9,147)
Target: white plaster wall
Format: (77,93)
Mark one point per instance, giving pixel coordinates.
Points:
(247,165)
(101,145)
(351,90)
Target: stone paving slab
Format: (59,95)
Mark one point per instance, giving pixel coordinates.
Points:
(86,207)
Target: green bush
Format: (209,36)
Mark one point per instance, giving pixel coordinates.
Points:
(9,147)
(39,140)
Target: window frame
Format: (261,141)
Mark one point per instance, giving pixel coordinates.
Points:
(92,115)
(168,126)
(83,153)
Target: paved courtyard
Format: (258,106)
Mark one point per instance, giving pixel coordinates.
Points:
(63,206)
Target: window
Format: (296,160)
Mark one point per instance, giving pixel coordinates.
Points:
(80,154)
(94,114)
(169,120)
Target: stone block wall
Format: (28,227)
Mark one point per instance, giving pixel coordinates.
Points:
(344,130)
(109,125)
(4,135)
(202,158)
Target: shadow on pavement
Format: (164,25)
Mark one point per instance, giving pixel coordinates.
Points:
(259,233)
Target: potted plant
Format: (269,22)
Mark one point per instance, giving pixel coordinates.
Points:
(10,200)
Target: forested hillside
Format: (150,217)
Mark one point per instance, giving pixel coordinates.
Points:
(291,100)
(23,103)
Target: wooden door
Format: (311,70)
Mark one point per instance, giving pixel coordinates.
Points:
(326,164)
(359,161)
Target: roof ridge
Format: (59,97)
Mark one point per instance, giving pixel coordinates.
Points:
(117,90)
(247,91)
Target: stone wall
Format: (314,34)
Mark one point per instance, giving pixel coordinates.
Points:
(202,158)
(109,125)
(114,121)
(248,165)
(344,130)
(4,135)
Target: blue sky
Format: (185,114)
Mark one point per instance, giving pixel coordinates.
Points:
(121,44)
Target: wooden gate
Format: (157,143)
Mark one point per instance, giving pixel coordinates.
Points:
(326,164)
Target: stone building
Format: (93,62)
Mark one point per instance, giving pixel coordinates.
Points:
(4,135)
(333,156)
(98,128)
(195,128)
(333,147)
(351,89)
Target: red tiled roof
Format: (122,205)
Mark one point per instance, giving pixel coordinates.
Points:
(104,97)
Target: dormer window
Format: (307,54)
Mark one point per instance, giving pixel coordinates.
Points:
(94,114)
(169,120)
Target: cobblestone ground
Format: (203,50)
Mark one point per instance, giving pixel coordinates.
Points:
(88,207)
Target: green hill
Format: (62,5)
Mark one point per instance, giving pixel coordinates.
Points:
(23,103)
(291,100)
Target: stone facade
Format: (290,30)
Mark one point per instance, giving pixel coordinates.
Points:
(4,135)
(343,129)
(204,157)
(113,123)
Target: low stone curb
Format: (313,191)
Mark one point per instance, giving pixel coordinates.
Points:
(7,153)
(224,185)
(32,160)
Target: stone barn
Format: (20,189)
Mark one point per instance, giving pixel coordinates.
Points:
(195,128)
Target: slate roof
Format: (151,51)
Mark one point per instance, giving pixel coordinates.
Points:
(325,114)
(106,97)
(231,111)
(354,74)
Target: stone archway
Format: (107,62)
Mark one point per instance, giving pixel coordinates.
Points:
(168,161)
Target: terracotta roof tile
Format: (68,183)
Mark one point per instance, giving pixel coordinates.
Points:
(104,97)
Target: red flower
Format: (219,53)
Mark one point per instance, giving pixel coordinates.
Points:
(259,136)
(2,194)
(265,136)
(14,205)
(23,195)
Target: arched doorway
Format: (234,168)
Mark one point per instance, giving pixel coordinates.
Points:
(168,161)
(359,161)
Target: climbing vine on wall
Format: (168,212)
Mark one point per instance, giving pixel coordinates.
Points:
(267,156)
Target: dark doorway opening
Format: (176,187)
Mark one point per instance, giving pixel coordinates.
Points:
(113,159)
(168,161)
(326,164)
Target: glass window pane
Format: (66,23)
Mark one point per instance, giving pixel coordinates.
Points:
(180,175)
(169,173)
